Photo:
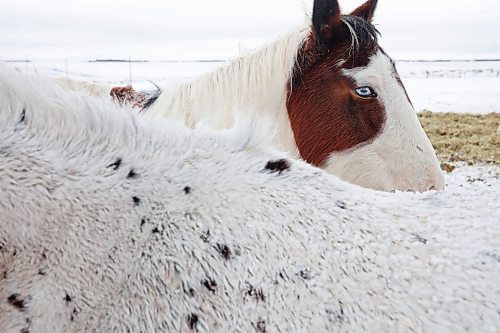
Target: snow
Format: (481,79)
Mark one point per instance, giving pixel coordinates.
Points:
(462,87)
(476,183)
(454,86)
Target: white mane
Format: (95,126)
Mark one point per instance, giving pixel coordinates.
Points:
(256,82)
(111,223)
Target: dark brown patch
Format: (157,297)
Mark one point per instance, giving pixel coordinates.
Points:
(224,251)
(341,204)
(23,116)
(16,301)
(278,166)
(190,291)
(325,113)
(132,174)
(187,190)
(257,294)
(261,326)
(73,315)
(211,285)
(156,230)
(193,321)
(205,237)
(67,298)
(136,200)
(306,274)
(116,164)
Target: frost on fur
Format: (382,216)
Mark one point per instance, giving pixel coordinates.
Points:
(114,222)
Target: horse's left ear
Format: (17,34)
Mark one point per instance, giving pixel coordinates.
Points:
(326,23)
(366,10)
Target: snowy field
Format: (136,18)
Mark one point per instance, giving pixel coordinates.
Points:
(463,87)
(456,86)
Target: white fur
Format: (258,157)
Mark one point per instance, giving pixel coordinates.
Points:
(307,252)
(401,157)
(89,88)
(255,82)
(259,82)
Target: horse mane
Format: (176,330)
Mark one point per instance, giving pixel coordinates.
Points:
(249,80)
(246,80)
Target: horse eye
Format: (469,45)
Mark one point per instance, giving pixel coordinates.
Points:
(365,92)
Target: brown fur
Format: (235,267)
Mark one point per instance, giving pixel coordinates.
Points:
(366,10)
(127,95)
(325,113)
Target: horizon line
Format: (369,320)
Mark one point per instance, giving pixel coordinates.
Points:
(120,60)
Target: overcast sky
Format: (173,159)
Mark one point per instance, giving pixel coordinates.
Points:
(217,29)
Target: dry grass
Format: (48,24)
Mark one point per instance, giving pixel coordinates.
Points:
(464,137)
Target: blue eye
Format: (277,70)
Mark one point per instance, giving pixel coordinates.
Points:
(366,92)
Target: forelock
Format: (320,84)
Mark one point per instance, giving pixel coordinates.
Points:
(364,35)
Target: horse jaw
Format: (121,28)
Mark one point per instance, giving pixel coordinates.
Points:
(401,157)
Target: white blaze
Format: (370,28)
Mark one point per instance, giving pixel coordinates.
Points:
(401,157)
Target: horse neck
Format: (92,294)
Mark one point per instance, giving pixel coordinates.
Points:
(253,86)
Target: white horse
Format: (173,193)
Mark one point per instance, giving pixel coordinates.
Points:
(113,222)
(334,96)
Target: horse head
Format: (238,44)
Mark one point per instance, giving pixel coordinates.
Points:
(349,110)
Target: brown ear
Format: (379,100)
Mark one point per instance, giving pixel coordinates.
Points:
(366,11)
(326,21)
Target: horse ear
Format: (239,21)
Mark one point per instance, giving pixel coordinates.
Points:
(366,10)
(326,21)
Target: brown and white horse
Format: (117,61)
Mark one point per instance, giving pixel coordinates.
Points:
(334,96)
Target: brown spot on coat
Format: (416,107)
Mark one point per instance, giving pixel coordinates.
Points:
(193,321)
(261,326)
(224,251)
(278,166)
(132,174)
(205,237)
(257,294)
(16,301)
(211,285)
(116,164)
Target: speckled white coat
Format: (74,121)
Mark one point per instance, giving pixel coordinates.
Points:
(114,223)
